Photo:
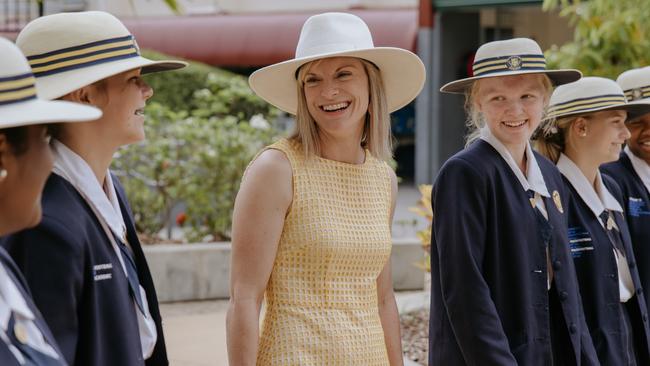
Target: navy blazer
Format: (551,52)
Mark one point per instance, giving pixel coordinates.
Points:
(79,284)
(489,294)
(636,203)
(6,357)
(598,277)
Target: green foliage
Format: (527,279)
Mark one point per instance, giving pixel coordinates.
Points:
(203,126)
(610,36)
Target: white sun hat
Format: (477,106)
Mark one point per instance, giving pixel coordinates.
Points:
(510,57)
(589,95)
(636,85)
(68,51)
(340,35)
(19,105)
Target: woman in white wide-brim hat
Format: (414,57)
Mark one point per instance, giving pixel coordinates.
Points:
(632,172)
(91,279)
(586,129)
(25,164)
(503,287)
(311,227)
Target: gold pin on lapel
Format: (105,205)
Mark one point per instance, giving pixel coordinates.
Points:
(21,333)
(610,223)
(558,201)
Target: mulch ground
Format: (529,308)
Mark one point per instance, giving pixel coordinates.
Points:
(415,335)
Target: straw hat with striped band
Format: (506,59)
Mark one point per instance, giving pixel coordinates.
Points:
(510,57)
(636,85)
(589,95)
(68,51)
(19,105)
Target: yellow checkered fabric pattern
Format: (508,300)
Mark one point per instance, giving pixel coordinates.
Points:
(321,299)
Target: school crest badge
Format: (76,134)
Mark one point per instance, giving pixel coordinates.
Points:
(558,201)
(514,63)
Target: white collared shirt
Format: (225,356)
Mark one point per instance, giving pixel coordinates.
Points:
(105,204)
(598,200)
(641,168)
(534,181)
(12,301)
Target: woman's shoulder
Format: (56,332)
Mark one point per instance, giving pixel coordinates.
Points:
(271,167)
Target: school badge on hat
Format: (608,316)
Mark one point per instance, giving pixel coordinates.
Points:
(558,201)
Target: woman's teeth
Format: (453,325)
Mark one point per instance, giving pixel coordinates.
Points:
(514,123)
(335,107)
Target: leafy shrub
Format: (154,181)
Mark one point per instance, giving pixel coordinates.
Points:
(610,36)
(203,126)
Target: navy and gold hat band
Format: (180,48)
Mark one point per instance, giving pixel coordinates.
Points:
(586,104)
(509,63)
(19,88)
(86,55)
(637,93)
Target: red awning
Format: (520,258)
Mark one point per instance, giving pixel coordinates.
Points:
(246,40)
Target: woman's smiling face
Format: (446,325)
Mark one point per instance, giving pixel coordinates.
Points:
(337,94)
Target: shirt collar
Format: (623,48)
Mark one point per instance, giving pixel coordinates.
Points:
(77,172)
(641,168)
(535,180)
(598,199)
(11,300)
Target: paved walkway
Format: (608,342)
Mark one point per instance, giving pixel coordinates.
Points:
(195,332)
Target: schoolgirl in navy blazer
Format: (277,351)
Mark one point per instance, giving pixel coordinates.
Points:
(503,286)
(587,128)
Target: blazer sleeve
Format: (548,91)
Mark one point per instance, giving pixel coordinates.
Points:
(52,260)
(459,232)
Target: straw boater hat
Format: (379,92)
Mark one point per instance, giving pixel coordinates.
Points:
(68,51)
(19,105)
(510,57)
(636,85)
(589,95)
(338,35)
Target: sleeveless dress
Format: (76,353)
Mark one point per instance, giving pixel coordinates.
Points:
(321,298)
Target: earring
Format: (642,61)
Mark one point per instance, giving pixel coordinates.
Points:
(583,134)
(3,174)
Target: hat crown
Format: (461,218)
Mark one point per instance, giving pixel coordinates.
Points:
(333,32)
(509,47)
(635,83)
(509,56)
(64,30)
(13,61)
(587,87)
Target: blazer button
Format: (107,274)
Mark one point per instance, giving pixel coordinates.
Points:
(563,295)
(632,264)
(639,291)
(572,328)
(612,276)
(557,265)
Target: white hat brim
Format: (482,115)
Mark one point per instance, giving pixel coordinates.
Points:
(558,77)
(37,111)
(57,85)
(402,72)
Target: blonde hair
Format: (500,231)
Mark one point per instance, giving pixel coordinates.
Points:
(554,135)
(376,135)
(476,121)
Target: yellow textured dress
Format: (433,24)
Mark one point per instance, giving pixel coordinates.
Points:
(321,299)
